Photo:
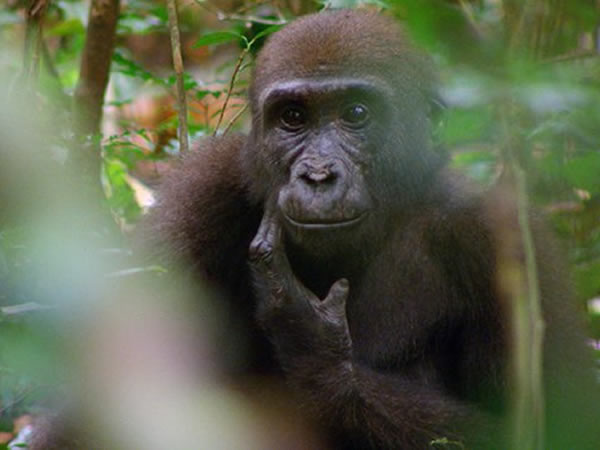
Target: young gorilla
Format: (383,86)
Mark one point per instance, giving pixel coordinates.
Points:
(373,268)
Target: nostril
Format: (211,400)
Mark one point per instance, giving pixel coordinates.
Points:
(322,176)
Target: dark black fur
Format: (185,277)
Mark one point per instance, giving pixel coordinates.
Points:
(410,340)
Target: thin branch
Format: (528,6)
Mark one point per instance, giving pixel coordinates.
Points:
(535,322)
(467,9)
(182,129)
(223,16)
(255,4)
(528,400)
(236,70)
(239,66)
(519,30)
(254,19)
(21,397)
(241,111)
(62,98)
(571,56)
(48,63)
(521,284)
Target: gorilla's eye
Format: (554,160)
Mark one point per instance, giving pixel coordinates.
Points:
(356,115)
(293,118)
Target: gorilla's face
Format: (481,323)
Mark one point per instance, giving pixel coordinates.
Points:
(320,143)
(340,133)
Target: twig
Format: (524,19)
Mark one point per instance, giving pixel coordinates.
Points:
(21,396)
(519,29)
(236,69)
(182,129)
(48,62)
(535,321)
(528,401)
(244,8)
(254,19)
(235,118)
(62,98)
(223,16)
(24,308)
(579,54)
(470,15)
(520,282)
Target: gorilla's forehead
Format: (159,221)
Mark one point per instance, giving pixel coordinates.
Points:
(343,44)
(330,55)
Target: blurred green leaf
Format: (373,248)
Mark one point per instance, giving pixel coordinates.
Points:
(587,279)
(65,28)
(217,37)
(464,125)
(267,31)
(584,172)
(130,68)
(121,197)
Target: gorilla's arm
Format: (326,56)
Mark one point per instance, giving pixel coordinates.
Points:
(366,407)
(203,221)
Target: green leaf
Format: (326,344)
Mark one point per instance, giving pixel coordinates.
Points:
(270,30)
(203,93)
(118,103)
(160,12)
(189,82)
(217,37)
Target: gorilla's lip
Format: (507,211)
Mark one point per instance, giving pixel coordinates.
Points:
(325,224)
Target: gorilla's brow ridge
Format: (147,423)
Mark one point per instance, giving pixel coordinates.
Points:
(299,87)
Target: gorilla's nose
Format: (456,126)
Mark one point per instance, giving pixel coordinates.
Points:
(317,174)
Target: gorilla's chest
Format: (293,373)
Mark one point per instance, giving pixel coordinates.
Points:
(397,306)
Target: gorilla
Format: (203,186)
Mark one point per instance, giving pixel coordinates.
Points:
(361,269)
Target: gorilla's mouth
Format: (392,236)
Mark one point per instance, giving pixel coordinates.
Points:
(322,224)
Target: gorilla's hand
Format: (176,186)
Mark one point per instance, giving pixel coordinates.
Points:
(296,320)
